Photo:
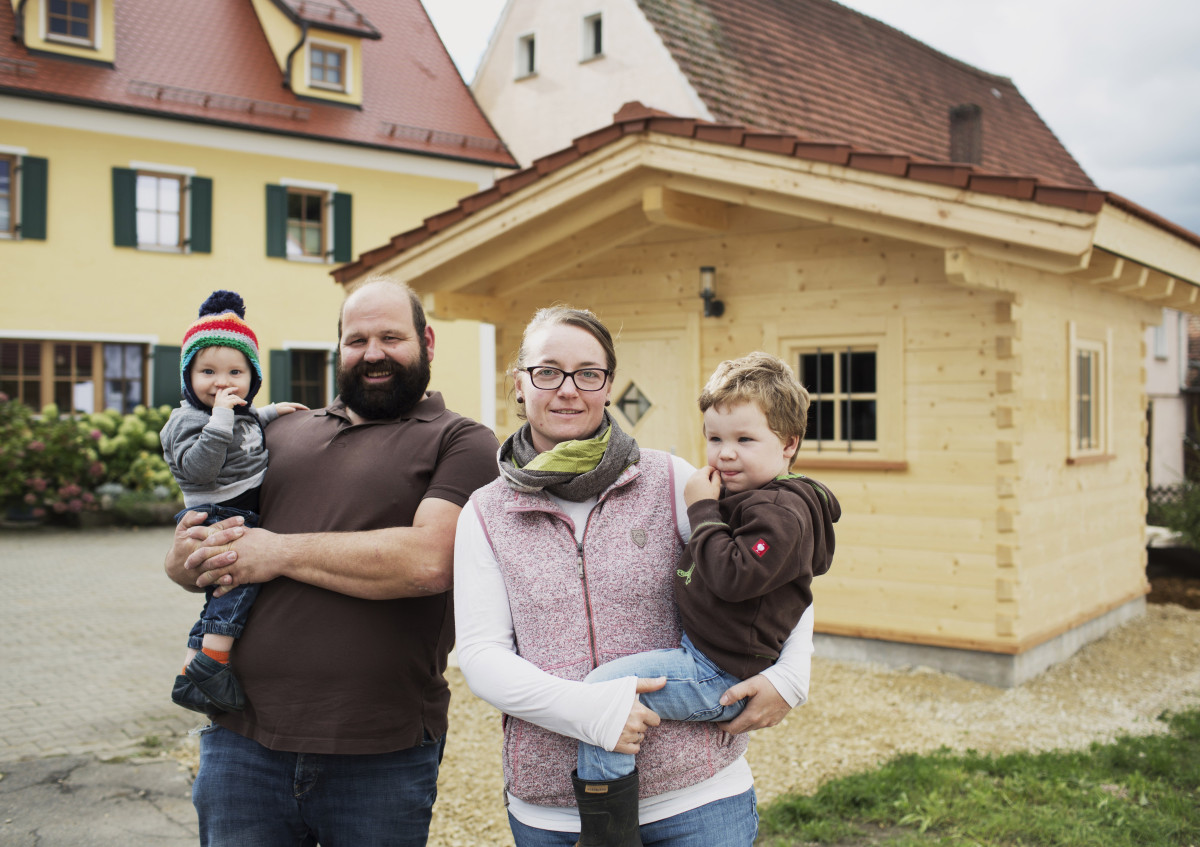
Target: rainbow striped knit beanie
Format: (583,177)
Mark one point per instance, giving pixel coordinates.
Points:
(220,324)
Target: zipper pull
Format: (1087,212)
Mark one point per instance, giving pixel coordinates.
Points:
(579,558)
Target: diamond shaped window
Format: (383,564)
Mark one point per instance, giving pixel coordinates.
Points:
(633,403)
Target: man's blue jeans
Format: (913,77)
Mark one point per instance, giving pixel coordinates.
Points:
(692,693)
(224,615)
(246,794)
(732,822)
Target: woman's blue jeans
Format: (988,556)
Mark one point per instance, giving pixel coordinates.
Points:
(692,693)
(246,794)
(732,822)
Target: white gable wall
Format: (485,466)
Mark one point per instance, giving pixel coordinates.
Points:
(568,95)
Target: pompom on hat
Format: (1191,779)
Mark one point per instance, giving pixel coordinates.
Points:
(221,324)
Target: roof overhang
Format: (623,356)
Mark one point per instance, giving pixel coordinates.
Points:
(574,205)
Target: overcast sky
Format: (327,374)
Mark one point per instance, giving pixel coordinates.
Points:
(1118,81)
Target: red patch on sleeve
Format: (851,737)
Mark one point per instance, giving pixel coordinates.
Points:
(760,548)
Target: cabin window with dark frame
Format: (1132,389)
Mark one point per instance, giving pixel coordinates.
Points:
(843,412)
(73,20)
(1087,400)
(306,222)
(327,67)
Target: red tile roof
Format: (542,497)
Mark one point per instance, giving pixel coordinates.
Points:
(209,61)
(635,118)
(824,72)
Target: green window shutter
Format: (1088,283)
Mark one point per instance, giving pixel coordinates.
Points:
(201,214)
(166,391)
(277,221)
(124,197)
(281,375)
(33,197)
(343,221)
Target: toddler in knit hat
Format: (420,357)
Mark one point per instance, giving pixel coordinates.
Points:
(213,444)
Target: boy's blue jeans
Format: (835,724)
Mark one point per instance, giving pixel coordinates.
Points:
(692,693)
(224,615)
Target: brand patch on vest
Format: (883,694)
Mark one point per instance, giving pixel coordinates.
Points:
(760,548)
(639,536)
(595,789)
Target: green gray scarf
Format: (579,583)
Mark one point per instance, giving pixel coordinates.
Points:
(573,470)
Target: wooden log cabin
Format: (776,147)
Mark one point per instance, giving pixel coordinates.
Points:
(973,344)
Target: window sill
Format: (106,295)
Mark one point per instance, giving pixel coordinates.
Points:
(1091,459)
(522,77)
(68,41)
(843,463)
(326,87)
(593,58)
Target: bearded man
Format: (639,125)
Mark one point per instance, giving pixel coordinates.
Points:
(343,655)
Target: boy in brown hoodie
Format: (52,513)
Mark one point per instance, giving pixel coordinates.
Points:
(759,535)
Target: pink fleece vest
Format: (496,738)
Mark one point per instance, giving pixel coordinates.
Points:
(574,609)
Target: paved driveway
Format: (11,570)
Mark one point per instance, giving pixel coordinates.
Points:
(91,636)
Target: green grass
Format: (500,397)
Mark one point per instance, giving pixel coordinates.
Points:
(1134,792)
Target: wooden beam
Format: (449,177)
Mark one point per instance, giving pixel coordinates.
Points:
(1102,268)
(1158,286)
(450,305)
(1185,298)
(570,250)
(667,207)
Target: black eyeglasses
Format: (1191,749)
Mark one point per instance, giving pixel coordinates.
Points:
(585,379)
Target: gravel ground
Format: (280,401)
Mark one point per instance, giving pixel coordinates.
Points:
(860,715)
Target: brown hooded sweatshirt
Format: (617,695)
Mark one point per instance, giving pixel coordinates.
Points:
(745,577)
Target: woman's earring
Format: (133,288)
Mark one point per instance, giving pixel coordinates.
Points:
(608,402)
(520,400)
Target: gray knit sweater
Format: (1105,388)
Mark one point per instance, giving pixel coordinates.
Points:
(215,457)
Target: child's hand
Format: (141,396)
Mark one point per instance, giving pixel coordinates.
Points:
(227,398)
(704,484)
(288,407)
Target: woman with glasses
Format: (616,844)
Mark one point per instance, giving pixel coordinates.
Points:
(568,561)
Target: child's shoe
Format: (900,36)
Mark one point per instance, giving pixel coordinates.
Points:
(216,682)
(185,693)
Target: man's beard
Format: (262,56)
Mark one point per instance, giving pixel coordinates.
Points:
(402,393)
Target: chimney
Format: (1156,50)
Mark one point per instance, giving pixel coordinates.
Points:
(966,134)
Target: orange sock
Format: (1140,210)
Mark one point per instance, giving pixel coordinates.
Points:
(221,656)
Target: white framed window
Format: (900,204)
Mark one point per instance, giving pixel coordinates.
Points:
(328,66)
(526,55)
(1090,392)
(309,222)
(593,37)
(23,194)
(161,222)
(72,21)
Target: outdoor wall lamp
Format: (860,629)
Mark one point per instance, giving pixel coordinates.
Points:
(713,308)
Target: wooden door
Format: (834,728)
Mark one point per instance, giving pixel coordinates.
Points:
(657,384)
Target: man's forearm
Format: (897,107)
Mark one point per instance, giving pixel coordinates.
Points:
(378,564)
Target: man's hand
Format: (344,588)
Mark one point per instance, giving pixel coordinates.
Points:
(190,535)
(704,484)
(640,719)
(766,707)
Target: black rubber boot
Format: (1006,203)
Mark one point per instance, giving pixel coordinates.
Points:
(608,812)
(217,682)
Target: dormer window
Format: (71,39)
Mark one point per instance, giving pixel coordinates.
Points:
(72,21)
(327,67)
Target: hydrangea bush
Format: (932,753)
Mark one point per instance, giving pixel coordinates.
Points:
(52,465)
